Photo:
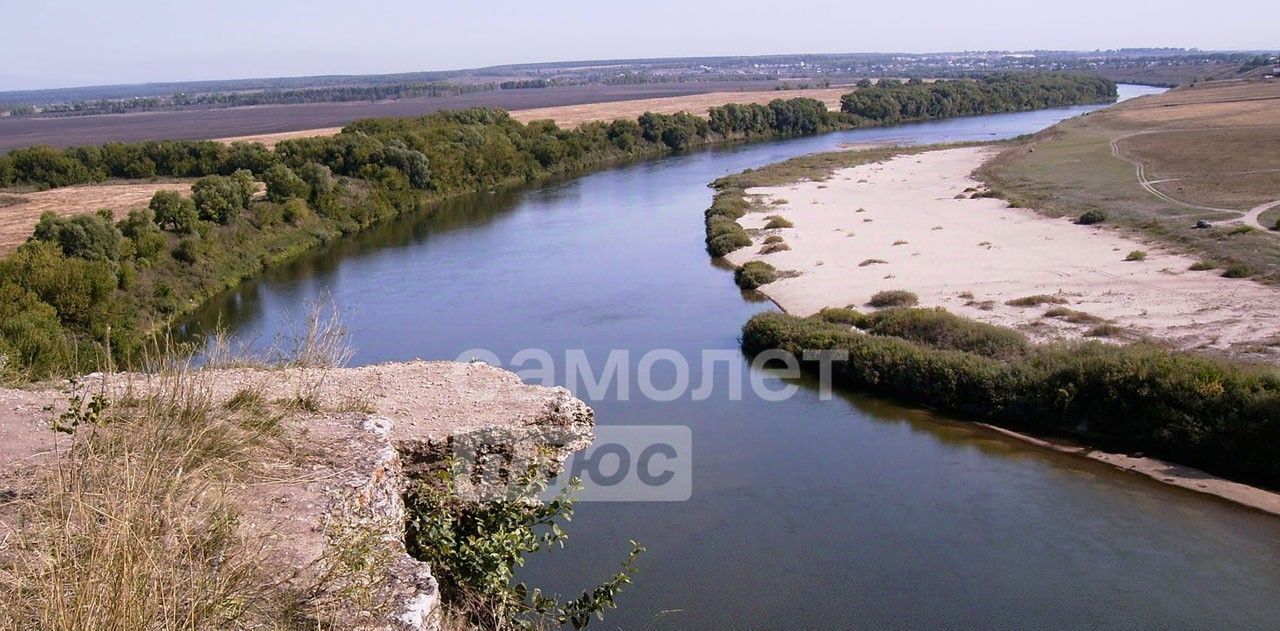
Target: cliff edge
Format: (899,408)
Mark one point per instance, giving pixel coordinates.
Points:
(323,503)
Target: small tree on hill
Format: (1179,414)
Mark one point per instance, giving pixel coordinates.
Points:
(174,212)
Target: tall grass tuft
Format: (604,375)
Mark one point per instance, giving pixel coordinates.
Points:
(134,526)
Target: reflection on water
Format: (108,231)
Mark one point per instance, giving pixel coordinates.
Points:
(805,513)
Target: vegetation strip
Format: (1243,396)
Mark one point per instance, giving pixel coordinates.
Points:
(1216,415)
(86,292)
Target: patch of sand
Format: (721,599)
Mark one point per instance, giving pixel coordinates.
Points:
(970,256)
(19,212)
(570,116)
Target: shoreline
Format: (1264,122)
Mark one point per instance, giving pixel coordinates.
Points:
(818,211)
(920,222)
(1172,474)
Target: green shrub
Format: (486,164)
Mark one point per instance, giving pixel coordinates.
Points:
(772,239)
(220,199)
(1136,255)
(940,329)
(1071,315)
(190,250)
(726,243)
(283,184)
(294,211)
(31,337)
(723,233)
(1034,301)
(1200,266)
(320,184)
(1091,217)
(81,291)
(1213,414)
(90,236)
(144,239)
(268,214)
(893,298)
(475,547)
(1238,270)
(842,315)
(753,274)
(1105,330)
(778,221)
(774,247)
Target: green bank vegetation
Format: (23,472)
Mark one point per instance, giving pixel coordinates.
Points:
(753,274)
(894,102)
(87,293)
(1217,415)
(474,548)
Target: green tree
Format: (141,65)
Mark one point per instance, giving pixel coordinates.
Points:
(174,212)
(140,228)
(82,291)
(220,199)
(412,163)
(89,236)
(32,341)
(319,182)
(283,183)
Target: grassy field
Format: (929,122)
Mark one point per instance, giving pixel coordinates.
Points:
(1161,163)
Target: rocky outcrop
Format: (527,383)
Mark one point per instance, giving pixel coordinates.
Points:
(331,514)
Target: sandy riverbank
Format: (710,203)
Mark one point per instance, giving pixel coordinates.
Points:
(908,223)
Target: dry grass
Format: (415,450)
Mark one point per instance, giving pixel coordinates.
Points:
(1213,165)
(134,526)
(1208,146)
(20,211)
(137,522)
(270,140)
(570,116)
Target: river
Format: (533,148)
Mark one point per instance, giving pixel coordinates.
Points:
(805,513)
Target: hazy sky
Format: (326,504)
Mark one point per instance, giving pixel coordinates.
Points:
(83,42)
